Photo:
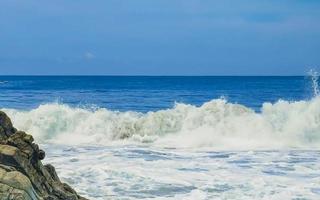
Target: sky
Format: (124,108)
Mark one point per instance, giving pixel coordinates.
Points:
(159,37)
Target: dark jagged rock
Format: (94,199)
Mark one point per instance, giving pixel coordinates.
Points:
(41,154)
(6,128)
(22,175)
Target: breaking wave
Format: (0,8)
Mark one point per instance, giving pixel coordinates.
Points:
(216,124)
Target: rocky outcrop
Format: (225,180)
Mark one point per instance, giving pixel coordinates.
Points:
(22,175)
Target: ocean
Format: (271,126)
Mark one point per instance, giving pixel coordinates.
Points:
(197,138)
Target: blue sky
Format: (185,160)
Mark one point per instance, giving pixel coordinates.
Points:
(159,37)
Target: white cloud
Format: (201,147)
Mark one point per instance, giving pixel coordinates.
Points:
(89,56)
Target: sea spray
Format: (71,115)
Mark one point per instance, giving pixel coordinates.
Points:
(315,79)
(217,123)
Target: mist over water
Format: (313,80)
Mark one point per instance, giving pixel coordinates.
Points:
(315,82)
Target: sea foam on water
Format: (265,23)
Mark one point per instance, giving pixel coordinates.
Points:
(216,123)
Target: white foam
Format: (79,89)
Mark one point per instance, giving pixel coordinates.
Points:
(135,172)
(217,124)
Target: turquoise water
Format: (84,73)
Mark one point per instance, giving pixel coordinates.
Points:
(174,137)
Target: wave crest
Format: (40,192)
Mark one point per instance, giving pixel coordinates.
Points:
(216,124)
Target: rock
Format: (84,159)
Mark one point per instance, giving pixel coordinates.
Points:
(41,154)
(22,175)
(6,128)
(15,185)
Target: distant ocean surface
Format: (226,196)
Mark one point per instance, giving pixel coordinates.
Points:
(174,137)
(139,93)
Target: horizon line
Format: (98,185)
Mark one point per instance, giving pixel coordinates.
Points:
(140,75)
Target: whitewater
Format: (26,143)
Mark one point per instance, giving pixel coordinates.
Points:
(216,150)
(216,124)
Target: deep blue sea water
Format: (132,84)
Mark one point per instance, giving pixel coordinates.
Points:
(140,93)
(189,138)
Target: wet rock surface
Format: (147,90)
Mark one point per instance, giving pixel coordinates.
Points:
(22,175)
